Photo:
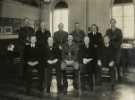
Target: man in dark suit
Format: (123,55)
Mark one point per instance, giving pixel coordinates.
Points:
(42,34)
(86,58)
(52,58)
(116,38)
(106,60)
(33,61)
(96,43)
(60,37)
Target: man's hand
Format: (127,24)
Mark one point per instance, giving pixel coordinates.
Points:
(60,47)
(99,63)
(69,62)
(30,63)
(49,62)
(11,47)
(52,61)
(84,61)
(55,61)
(89,59)
(111,64)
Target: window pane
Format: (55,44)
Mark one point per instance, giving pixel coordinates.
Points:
(124,15)
(128,21)
(128,10)
(117,11)
(60,16)
(128,27)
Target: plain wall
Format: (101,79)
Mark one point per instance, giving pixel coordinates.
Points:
(13,9)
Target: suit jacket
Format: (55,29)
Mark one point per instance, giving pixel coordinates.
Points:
(42,36)
(25,32)
(115,37)
(78,36)
(52,53)
(85,52)
(60,37)
(32,53)
(96,41)
(107,55)
(70,52)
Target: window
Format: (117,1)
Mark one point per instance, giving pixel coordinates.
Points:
(60,15)
(124,15)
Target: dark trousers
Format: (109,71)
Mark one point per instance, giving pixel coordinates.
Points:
(86,69)
(95,70)
(75,70)
(30,74)
(49,75)
(117,60)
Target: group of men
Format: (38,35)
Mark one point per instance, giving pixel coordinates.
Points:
(77,49)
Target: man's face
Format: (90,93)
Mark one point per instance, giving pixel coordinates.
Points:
(50,41)
(33,39)
(94,28)
(42,25)
(26,22)
(86,40)
(113,23)
(106,41)
(70,38)
(60,26)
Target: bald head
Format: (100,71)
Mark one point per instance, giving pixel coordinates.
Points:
(113,23)
(50,41)
(106,41)
(26,21)
(61,26)
(86,40)
(42,25)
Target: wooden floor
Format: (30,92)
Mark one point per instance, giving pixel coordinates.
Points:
(123,91)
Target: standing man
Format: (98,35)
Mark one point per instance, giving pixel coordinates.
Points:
(96,43)
(60,37)
(78,34)
(116,38)
(42,34)
(26,31)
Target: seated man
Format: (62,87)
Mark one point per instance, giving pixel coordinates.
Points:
(32,58)
(106,60)
(86,57)
(69,57)
(52,58)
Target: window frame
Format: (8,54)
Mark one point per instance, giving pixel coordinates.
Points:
(124,4)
